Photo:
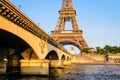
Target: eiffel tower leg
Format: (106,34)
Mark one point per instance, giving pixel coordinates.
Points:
(74,23)
(62,24)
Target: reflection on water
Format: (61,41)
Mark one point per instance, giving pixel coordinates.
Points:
(91,72)
(76,72)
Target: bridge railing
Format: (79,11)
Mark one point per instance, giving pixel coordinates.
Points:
(13,14)
(67,31)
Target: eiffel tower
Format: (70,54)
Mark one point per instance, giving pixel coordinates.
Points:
(65,37)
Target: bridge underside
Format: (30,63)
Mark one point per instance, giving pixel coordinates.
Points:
(10,40)
(52,55)
(11,44)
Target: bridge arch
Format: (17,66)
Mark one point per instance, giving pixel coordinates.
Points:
(32,40)
(63,57)
(68,58)
(52,55)
(12,41)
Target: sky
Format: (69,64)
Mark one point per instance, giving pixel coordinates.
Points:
(99,19)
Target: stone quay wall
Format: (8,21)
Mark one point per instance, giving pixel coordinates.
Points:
(99,58)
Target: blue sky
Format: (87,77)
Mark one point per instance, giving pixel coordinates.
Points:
(99,19)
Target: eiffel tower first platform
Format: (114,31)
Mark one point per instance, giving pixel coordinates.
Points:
(65,37)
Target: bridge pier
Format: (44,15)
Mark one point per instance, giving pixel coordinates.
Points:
(57,63)
(3,67)
(34,67)
(67,62)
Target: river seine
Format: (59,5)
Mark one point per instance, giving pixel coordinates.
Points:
(76,72)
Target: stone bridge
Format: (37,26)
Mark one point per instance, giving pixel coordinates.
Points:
(23,42)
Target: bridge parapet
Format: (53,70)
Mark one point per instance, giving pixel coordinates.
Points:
(12,13)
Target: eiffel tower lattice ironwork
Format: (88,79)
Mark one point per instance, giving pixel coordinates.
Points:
(65,37)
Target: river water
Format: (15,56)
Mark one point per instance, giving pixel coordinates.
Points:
(76,72)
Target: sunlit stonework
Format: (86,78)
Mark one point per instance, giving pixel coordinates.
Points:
(42,45)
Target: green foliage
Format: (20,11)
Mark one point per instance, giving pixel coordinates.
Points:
(85,50)
(108,49)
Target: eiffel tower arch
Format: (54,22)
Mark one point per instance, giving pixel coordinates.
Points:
(65,37)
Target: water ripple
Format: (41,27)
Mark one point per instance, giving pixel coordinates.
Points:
(77,72)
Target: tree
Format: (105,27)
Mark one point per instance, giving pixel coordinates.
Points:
(86,50)
(108,49)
